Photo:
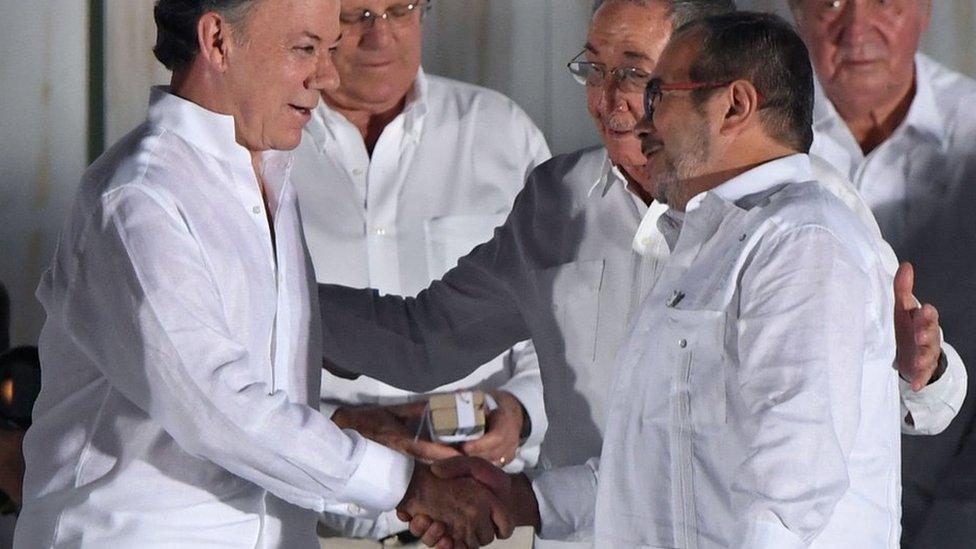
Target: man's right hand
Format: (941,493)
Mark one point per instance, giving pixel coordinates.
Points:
(466,510)
(388,425)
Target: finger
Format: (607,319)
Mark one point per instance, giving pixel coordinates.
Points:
(503,520)
(434,534)
(403,515)
(489,447)
(445,543)
(419,525)
(410,411)
(431,452)
(904,286)
(485,532)
(482,471)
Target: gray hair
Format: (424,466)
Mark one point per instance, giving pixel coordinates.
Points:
(176,26)
(684,11)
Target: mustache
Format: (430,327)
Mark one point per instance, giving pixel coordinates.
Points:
(869,51)
(618,125)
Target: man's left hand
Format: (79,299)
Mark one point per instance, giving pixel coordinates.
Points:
(916,332)
(503,431)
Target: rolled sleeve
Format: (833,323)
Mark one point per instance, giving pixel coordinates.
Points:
(931,410)
(567,501)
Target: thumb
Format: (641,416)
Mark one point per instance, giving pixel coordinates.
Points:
(904,286)
(484,472)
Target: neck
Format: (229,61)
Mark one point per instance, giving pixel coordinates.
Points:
(748,156)
(370,120)
(871,123)
(639,184)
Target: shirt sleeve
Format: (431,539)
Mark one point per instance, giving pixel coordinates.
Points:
(470,316)
(567,501)
(143,306)
(526,385)
(931,410)
(801,344)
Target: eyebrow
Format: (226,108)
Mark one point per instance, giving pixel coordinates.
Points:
(311,35)
(629,54)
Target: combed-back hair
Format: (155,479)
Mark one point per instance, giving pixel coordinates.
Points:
(765,50)
(176,26)
(685,11)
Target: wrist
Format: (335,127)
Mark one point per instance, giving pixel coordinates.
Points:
(940,368)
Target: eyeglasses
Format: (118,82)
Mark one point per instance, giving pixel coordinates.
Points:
(397,14)
(630,79)
(655,89)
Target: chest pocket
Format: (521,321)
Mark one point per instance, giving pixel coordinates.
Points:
(574,291)
(451,237)
(697,352)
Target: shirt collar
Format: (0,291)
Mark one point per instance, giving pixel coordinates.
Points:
(924,114)
(609,175)
(206,130)
(788,169)
(326,121)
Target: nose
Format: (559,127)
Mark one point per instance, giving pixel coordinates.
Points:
(645,128)
(855,22)
(610,96)
(326,76)
(378,34)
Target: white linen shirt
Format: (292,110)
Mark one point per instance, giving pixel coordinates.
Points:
(561,270)
(181,358)
(754,403)
(442,176)
(911,182)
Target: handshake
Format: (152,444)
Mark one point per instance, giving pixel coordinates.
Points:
(466,502)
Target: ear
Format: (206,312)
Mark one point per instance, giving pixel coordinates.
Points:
(213,39)
(743,107)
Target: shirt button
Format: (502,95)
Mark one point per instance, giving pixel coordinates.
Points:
(256,210)
(353,509)
(682,343)
(380,231)
(357,172)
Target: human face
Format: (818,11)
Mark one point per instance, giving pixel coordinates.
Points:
(377,62)
(276,72)
(623,34)
(863,50)
(676,139)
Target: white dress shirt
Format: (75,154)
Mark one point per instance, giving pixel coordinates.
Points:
(561,270)
(441,177)
(180,358)
(919,183)
(754,403)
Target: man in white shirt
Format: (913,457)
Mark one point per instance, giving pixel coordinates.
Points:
(181,357)
(754,401)
(902,128)
(398,175)
(562,269)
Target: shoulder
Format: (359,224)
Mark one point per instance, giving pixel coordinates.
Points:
(574,172)
(955,93)
(473,102)
(811,208)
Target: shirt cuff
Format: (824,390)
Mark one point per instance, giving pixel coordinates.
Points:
(768,532)
(934,407)
(567,502)
(378,483)
(528,390)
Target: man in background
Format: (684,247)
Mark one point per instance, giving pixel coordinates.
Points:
(901,126)
(399,174)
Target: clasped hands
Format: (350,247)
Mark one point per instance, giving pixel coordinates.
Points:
(466,502)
